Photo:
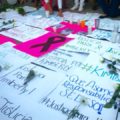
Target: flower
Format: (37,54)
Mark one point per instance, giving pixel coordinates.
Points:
(115,85)
(102,60)
(84,101)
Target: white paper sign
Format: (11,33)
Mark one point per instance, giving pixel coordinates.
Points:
(52,95)
(78,16)
(79,86)
(61,61)
(112,53)
(11,58)
(85,44)
(109,24)
(100,69)
(41,22)
(24,33)
(22,101)
(101,35)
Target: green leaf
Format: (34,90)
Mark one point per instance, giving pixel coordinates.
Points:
(74,113)
(108,105)
(114,62)
(119,110)
(109,66)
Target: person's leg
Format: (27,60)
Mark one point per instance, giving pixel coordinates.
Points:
(105,7)
(35,3)
(81,5)
(94,4)
(76,4)
(59,4)
(114,8)
(60,8)
(48,6)
(64,4)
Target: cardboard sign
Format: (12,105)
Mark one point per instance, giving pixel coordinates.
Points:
(43,45)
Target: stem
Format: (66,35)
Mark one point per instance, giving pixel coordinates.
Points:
(117,114)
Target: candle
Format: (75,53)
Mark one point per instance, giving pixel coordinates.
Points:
(82,23)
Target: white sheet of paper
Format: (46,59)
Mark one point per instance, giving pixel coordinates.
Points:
(23,33)
(101,34)
(78,16)
(62,61)
(49,93)
(99,69)
(79,86)
(85,44)
(41,22)
(11,58)
(19,94)
(108,24)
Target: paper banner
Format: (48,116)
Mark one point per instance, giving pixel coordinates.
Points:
(43,45)
(4,39)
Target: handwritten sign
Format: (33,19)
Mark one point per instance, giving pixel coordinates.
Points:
(85,44)
(41,23)
(61,95)
(109,24)
(101,35)
(11,58)
(98,69)
(33,92)
(112,53)
(62,61)
(77,87)
(42,45)
(78,16)
(23,33)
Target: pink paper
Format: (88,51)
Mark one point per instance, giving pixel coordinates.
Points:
(43,44)
(75,27)
(69,28)
(59,28)
(4,39)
